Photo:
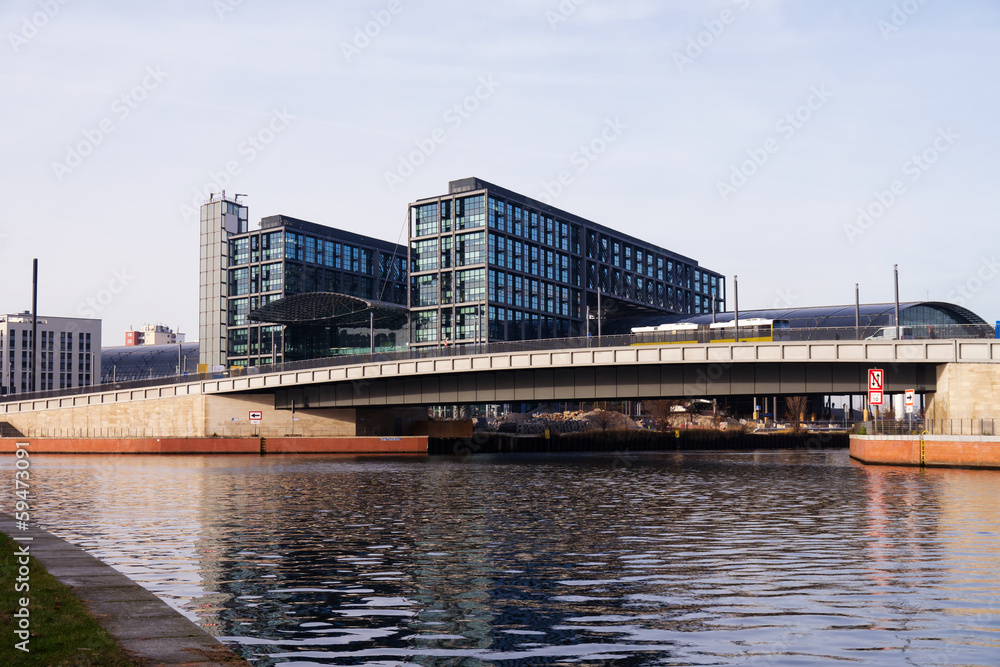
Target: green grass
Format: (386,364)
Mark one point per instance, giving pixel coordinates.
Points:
(63,632)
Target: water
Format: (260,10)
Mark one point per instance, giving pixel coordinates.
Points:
(696,559)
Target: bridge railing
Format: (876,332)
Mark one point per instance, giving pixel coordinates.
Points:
(237,430)
(461,348)
(956,427)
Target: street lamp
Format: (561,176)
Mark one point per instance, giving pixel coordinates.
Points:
(736,306)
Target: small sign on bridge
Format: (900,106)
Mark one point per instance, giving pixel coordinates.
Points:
(256,416)
(876,385)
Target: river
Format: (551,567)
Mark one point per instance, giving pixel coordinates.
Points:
(776,558)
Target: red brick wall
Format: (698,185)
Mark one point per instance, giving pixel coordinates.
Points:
(411,445)
(937,452)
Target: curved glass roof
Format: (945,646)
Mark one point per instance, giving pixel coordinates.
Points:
(142,362)
(330,309)
(871,315)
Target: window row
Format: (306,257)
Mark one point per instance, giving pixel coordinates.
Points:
(264,247)
(472,323)
(460,250)
(333,254)
(255,341)
(524,292)
(239,309)
(533,226)
(256,279)
(47,340)
(463,324)
(446,288)
(447,216)
(509,253)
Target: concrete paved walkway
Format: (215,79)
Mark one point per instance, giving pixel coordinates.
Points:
(146,626)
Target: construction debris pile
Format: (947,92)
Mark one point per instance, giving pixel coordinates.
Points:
(564,422)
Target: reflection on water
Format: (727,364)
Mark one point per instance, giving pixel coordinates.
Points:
(721,559)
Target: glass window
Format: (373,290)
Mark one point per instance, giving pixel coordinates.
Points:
(470,285)
(425,291)
(425,326)
(238,341)
(238,309)
(496,214)
(470,249)
(239,251)
(425,219)
(310,255)
(446,247)
(271,276)
(447,294)
(271,246)
(293,246)
(424,255)
(239,281)
(470,212)
(468,323)
(516,259)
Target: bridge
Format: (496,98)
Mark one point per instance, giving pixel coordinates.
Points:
(568,370)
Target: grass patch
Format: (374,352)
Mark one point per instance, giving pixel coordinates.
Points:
(63,632)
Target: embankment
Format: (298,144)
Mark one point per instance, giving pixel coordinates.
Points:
(635,441)
(932,451)
(345,445)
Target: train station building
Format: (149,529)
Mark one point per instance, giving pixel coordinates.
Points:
(483,264)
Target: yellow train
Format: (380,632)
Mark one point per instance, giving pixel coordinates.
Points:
(751,330)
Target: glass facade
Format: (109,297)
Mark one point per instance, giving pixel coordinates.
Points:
(488,264)
(244,270)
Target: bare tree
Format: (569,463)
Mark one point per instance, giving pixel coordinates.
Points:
(795,408)
(606,420)
(661,410)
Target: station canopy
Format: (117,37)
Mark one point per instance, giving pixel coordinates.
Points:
(143,362)
(912,313)
(324,309)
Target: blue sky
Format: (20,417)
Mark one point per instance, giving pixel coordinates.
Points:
(747,134)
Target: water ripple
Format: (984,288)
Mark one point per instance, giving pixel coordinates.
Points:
(721,559)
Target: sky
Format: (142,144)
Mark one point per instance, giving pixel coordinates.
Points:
(801,146)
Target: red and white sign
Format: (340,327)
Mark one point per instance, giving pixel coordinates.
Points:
(876,384)
(256,416)
(909,401)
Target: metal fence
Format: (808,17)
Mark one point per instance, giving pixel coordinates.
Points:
(846,334)
(954,427)
(130,432)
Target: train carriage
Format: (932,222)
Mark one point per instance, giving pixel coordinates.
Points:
(750,330)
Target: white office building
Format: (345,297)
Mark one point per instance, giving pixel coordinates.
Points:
(68,353)
(153,334)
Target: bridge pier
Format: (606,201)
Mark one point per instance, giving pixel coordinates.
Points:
(966,391)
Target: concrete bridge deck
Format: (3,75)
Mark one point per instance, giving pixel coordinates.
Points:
(584,373)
